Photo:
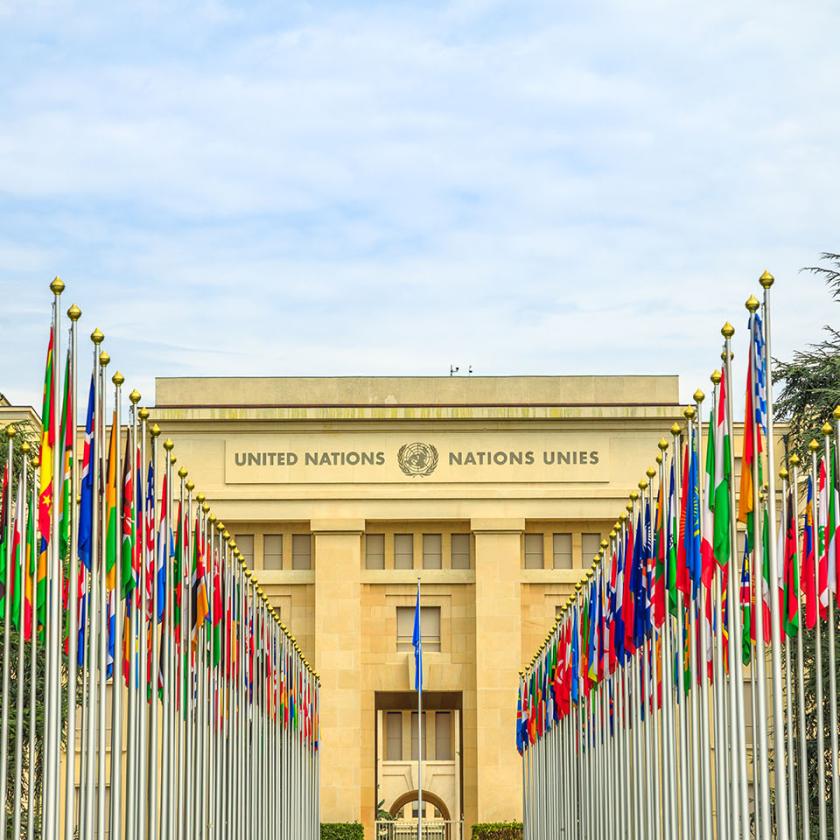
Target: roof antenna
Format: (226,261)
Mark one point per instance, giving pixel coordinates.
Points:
(453,369)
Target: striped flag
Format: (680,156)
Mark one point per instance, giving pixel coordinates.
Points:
(111,543)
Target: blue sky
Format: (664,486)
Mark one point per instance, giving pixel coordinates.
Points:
(389,188)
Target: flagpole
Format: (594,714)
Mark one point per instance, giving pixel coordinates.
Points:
(166,651)
(766,281)
(73,313)
(21,517)
(800,671)
(115,793)
(52,783)
(104,359)
(33,660)
(143,703)
(740,809)
(155,551)
(418,678)
(813,446)
(827,431)
(134,619)
(90,699)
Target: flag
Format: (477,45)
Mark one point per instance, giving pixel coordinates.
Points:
(660,547)
(722,478)
(673,540)
(200,606)
(575,645)
(68,431)
(790,587)
(218,601)
(809,577)
(30,567)
(683,580)
(87,501)
(5,513)
(417,642)
(111,584)
(707,545)
(45,500)
(822,542)
(128,548)
(17,556)
(177,572)
(748,635)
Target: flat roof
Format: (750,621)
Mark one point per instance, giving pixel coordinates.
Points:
(317,391)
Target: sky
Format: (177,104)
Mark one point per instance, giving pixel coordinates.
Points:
(341,188)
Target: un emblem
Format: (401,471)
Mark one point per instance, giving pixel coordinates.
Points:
(417,458)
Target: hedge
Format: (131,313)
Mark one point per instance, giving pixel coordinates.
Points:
(342,831)
(497,831)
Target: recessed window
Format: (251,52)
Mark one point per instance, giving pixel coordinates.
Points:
(460,551)
(403,551)
(273,551)
(245,543)
(429,628)
(374,551)
(414,740)
(393,736)
(590,545)
(562,551)
(432,551)
(534,551)
(443,736)
(302,551)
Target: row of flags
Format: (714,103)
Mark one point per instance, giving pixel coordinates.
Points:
(689,624)
(126,598)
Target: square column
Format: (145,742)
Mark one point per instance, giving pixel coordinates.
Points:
(498,634)
(338,562)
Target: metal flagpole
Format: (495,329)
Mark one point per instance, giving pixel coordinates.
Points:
(144,605)
(180,654)
(104,359)
(187,655)
(789,718)
(115,821)
(766,281)
(419,685)
(166,647)
(33,663)
(90,701)
(800,672)
(156,550)
(51,776)
(131,763)
(740,808)
(759,585)
(702,684)
(813,446)
(21,519)
(73,313)
(827,431)
(721,789)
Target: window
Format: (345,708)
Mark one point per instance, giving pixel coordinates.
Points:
(374,551)
(431,551)
(590,545)
(403,551)
(429,628)
(460,551)
(562,551)
(414,755)
(393,736)
(443,736)
(273,551)
(534,551)
(245,543)
(301,551)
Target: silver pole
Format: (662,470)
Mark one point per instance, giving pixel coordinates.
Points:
(73,313)
(800,672)
(157,551)
(104,359)
(740,807)
(144,703)
(813,446)
(21,517)
(33,662)
(766,281)
(420,735)
(115,821)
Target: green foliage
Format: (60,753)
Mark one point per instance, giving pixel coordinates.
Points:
(342,831)
(808,391)
(497,831)
(809,385)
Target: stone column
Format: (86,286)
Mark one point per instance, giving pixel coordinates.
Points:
(337,562)
(498,641)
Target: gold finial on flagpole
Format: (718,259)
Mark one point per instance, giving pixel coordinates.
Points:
(168,445)
(190,485)
(826,429)
(783,473)
(57,285)
(10,431)
(650,472)
(25,447)
(172,458)
(836,413)
(634,494)
(104,358)
(689,412)
(752,303)
(794,459)
(144,413)
(205,507)
(766,279)
(97,336)
(663,444)
(716,377)
(182,472)
(74,313)
(155,430)
(118,379)
(643,484)
(727,330)
(134,397)
(813,446)
(200,497)
(212,517)
(675,429)
(699,396)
